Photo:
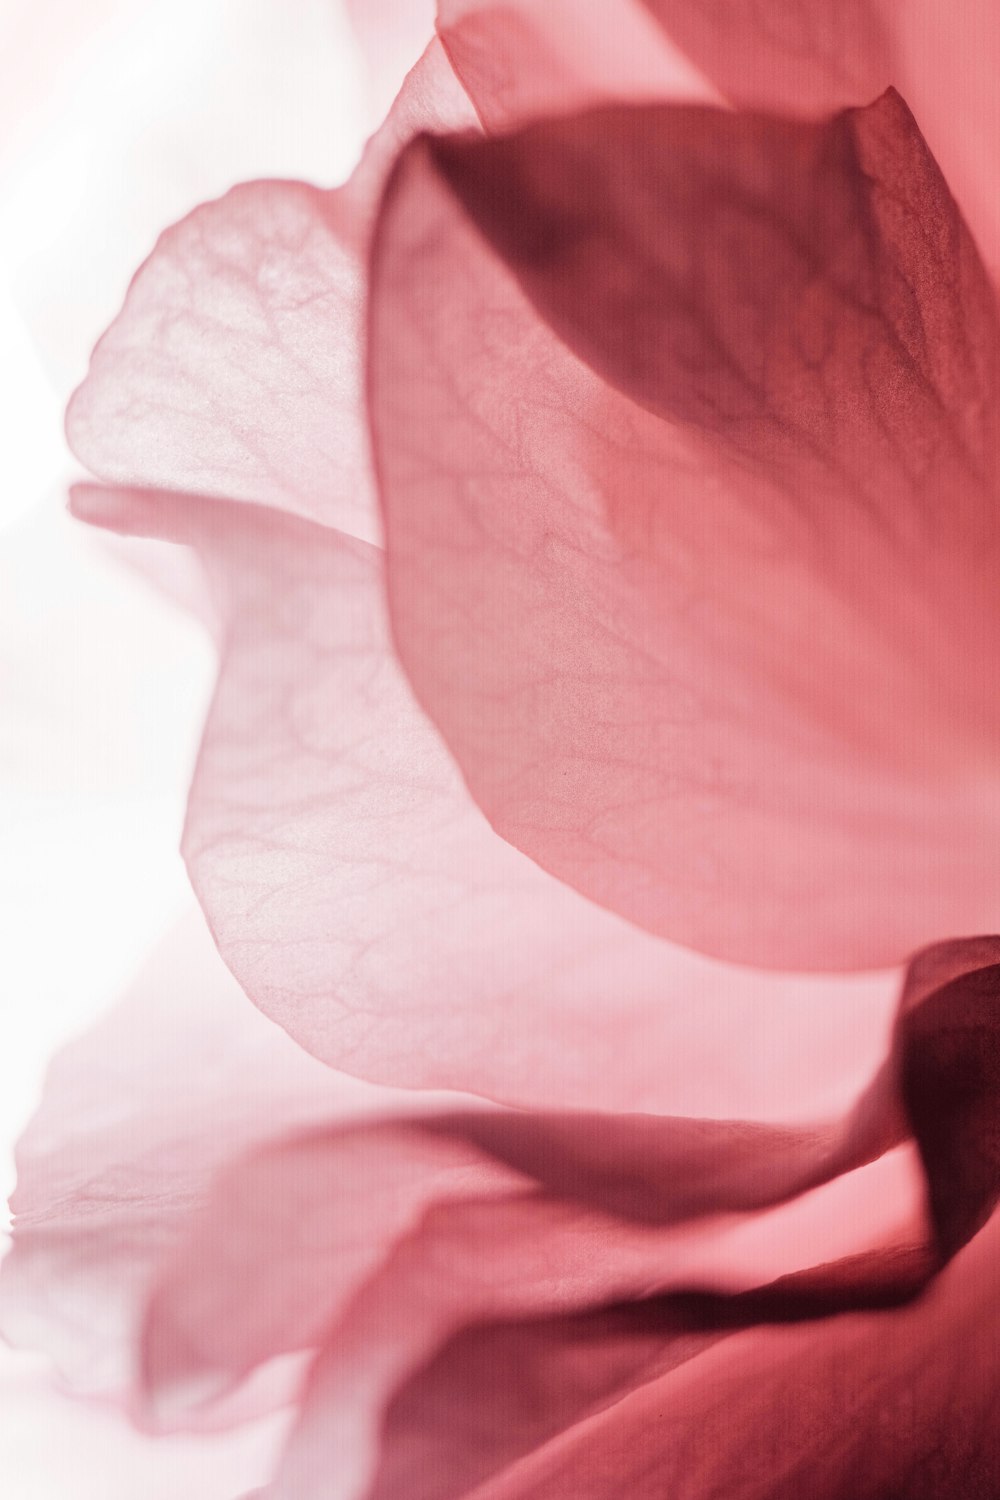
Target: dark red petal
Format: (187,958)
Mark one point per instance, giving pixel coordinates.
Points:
(706,615)
(240,1292)
(393,35)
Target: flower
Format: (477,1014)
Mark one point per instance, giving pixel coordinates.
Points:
(683,423)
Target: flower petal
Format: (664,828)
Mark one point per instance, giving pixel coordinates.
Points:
(136,1117)
(472,1276)
(801,57)
(234,367)
(522,58)
(812,56)
(393,36)
(366,905)
(872,1405)
(450,1192)
(470,1263)
(651,617)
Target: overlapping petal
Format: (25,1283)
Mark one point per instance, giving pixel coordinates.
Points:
(685,425)
(873,1405)
(392,35)
(524,58)
(518,1280)
(365,904)
(796,56)
(234,367)
(705,613)
(137,1117)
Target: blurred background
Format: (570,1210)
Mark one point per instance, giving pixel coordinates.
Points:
(116,117)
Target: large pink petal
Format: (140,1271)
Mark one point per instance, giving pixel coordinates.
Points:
(523,58)
(366,905)
(137,1116)
(712,641)
(234,366)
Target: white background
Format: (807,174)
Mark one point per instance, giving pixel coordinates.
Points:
(116,116)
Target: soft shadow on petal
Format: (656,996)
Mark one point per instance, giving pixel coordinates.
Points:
(483,1286)
(707,614)
(365,903)
(522,58)
(876,1406)
(949,65)
(794,56)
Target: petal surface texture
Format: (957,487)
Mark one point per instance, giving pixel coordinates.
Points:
(392,36)
(234,367)
(524,58)
(685,426)
(364,902)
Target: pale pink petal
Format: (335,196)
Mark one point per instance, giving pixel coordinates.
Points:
(716,646)
(393,34)
(136,1117)
(365,904)
(234,367)
(293,1231)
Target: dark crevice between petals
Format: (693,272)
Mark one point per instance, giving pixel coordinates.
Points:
(497,1391)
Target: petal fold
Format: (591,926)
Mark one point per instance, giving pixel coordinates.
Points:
(234,367)
(524,1281)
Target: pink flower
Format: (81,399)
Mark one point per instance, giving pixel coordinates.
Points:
(684,425)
